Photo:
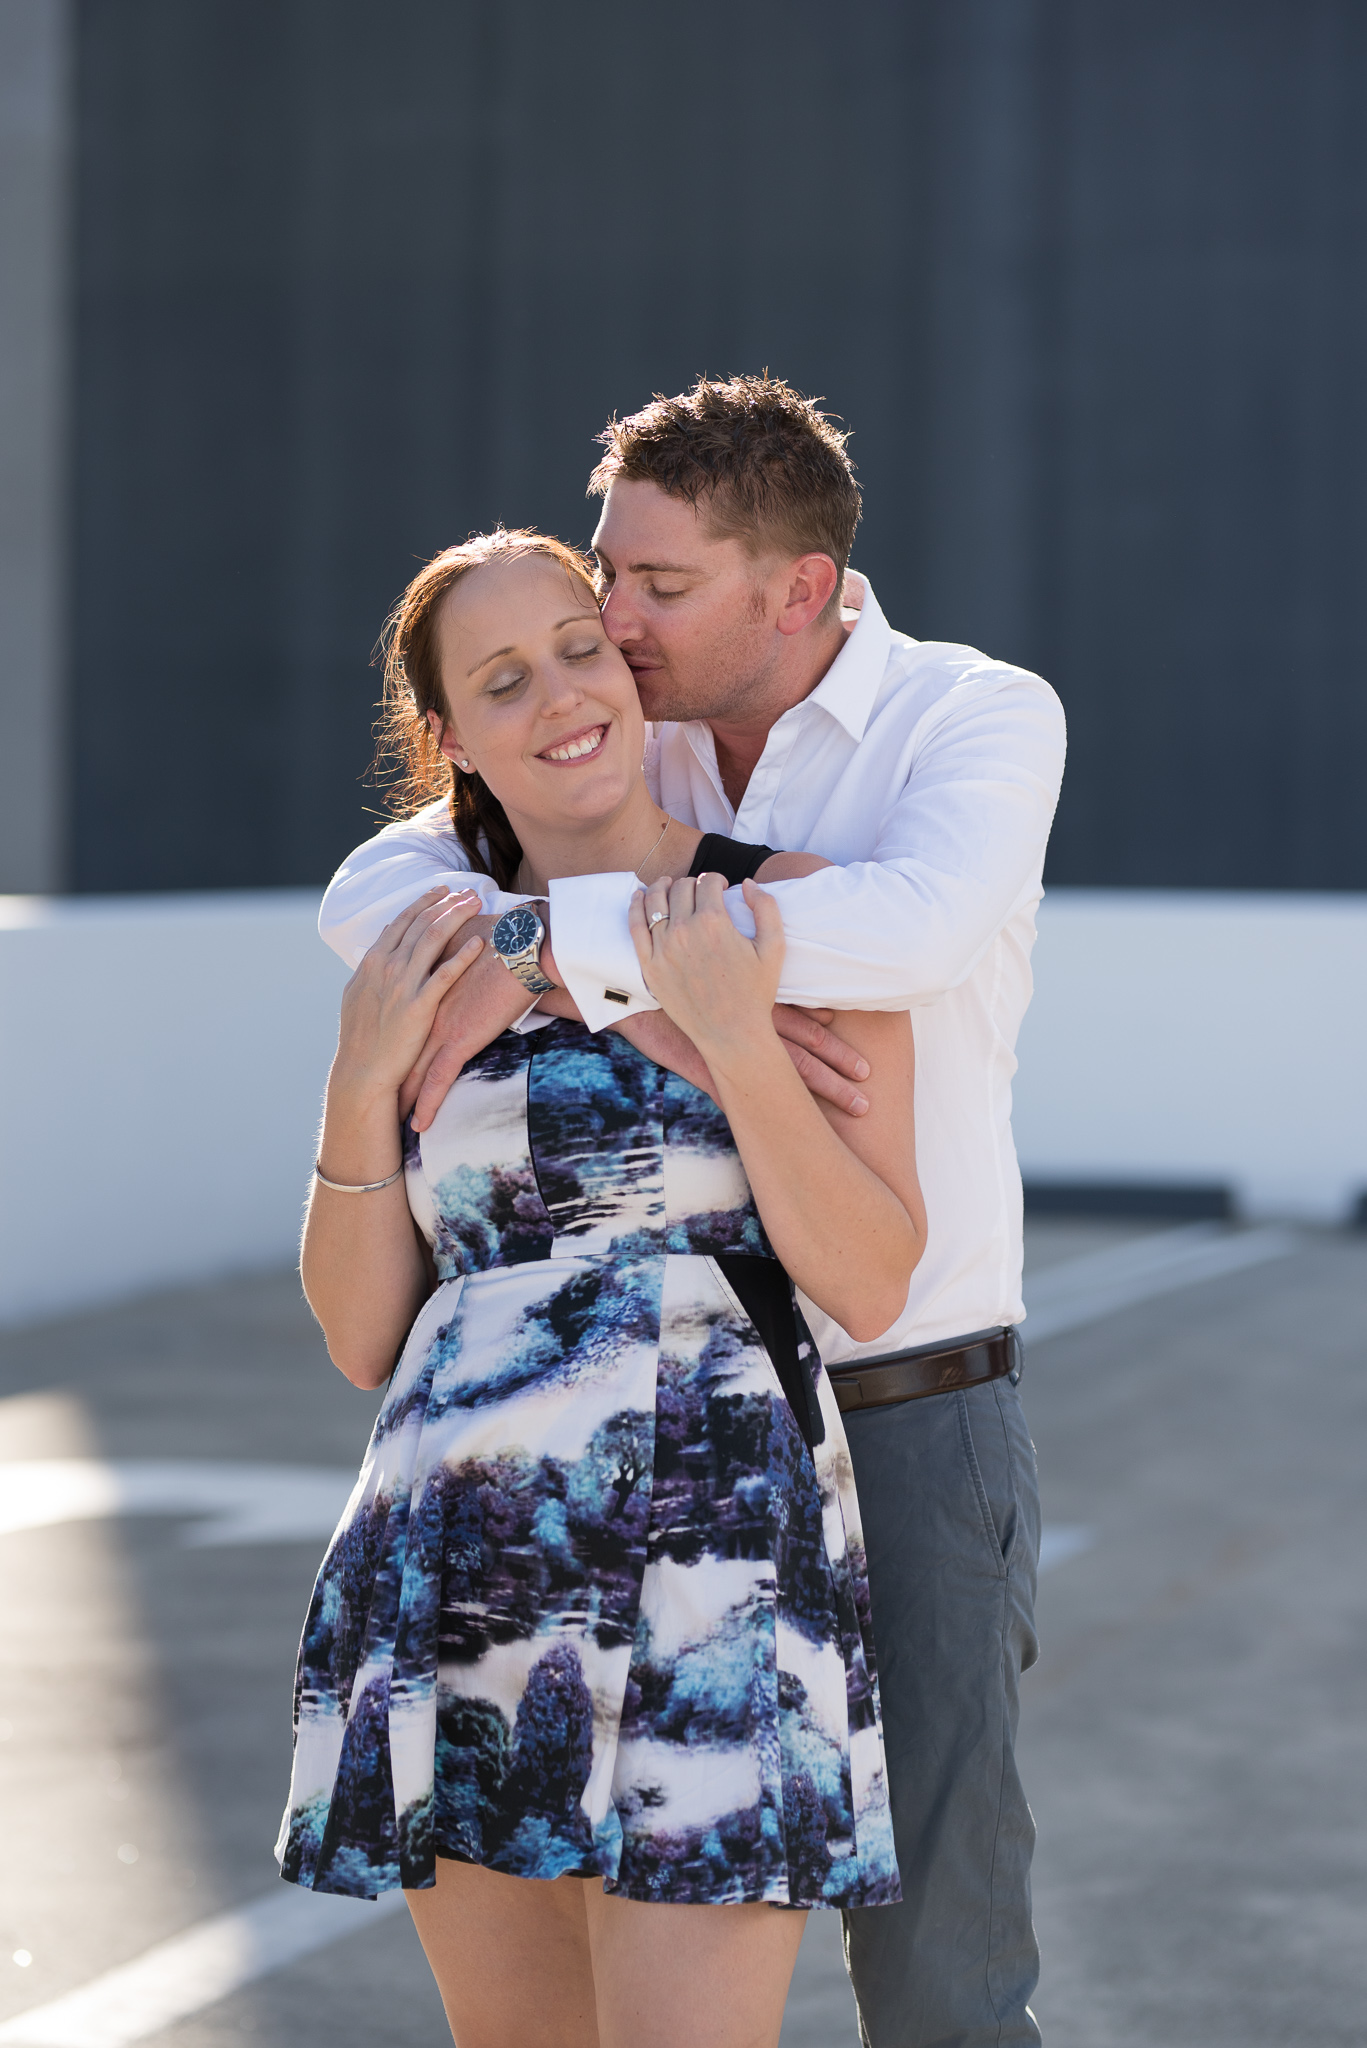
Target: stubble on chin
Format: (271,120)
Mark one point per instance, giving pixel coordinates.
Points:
(663,704)
(726,688)
(672,706)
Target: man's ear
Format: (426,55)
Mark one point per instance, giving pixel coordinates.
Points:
(812,581)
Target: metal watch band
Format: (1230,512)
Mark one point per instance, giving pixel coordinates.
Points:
(524,966)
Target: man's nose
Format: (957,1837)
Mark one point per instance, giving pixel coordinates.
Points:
(620,621)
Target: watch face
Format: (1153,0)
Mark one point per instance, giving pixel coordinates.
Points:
(516,930)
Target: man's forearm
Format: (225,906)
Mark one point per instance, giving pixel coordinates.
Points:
(388,873)
(874,936)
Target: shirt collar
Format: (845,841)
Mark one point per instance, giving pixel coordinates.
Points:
(850,685)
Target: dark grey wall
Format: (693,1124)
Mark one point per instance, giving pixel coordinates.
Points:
(1087,279)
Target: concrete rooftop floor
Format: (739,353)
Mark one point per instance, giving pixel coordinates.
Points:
(1194,1738)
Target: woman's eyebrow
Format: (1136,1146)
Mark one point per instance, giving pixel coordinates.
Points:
(574,619)
(495,656)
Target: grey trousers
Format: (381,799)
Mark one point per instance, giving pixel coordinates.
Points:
(950,1507)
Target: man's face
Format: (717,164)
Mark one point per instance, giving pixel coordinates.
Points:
(693,615)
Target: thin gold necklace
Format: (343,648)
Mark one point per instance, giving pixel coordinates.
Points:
(655,848)
(522,865)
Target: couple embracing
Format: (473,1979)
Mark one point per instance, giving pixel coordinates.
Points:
(688,1579)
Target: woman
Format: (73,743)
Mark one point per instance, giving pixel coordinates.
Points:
(588,1669)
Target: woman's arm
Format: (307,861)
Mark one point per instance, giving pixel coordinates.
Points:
(831,1066)
(838,1195)
(363,1262)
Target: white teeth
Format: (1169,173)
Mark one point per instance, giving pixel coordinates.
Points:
(577,748)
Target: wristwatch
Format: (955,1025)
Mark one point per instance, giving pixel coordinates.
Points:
(517,940)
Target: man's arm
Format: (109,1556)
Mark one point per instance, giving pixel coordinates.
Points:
(957,854)
(391,871)
(958,850)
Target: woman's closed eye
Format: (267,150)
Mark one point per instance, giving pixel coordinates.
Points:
(505,682)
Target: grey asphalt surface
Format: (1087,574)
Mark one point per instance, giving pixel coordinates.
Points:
(1194,1737)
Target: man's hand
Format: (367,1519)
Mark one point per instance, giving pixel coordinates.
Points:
(661,1040)
(491,1000)
(829,1067)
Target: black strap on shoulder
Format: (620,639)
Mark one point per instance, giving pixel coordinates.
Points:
(718,855)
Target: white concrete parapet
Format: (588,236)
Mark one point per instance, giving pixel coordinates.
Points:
(1200,1036)
(162,1060)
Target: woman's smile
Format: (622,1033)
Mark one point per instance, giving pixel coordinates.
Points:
(578,746)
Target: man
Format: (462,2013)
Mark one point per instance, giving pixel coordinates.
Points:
(794,716)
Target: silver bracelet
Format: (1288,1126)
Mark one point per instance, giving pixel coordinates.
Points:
(366,1187)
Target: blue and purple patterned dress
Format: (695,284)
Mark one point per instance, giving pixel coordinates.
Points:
(596,1605)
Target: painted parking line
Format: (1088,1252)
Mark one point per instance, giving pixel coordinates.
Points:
(234,1502)
(1086,1290)
(192,1970)
(257,1503)
(207,1962)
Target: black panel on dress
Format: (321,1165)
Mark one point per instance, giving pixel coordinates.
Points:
(762,1287)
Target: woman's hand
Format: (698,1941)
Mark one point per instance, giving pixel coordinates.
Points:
(390,1001)
(838,1196)
(716,985)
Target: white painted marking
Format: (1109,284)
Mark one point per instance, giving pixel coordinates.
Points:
(194,1969)
(243,1503)
(1085,1290)
(1062,1541)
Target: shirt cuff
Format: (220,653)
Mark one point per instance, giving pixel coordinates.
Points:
(594,956)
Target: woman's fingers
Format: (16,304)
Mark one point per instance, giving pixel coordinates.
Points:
(683,896)
(656,901)
(768,921)
(427,936)
(430,934)
(639,929)
(450,971)
(399,927)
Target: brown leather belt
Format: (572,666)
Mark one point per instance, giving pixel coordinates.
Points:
(934,1369)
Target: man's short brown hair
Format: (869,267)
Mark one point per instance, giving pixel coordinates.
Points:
(760,462)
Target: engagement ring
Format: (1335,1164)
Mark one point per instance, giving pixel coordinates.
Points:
(658,917)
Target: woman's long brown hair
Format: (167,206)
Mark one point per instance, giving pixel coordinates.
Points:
(407,754)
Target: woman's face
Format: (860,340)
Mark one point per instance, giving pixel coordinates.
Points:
(541,703)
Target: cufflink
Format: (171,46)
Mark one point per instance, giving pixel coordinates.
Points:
(614,995)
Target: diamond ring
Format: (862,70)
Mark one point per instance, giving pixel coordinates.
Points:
(657,917)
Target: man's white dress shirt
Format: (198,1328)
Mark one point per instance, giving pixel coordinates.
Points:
(929,773)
